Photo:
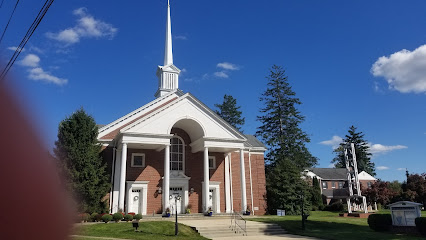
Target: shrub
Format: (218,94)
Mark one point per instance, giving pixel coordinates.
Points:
(137,217)
(99,217)
(83,217)
(336,206)
(128,217)
(380,222)
(94,217)
(421,225)
(106,218)
(117,216)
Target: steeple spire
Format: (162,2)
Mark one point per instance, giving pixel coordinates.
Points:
(168,53)
(168,75)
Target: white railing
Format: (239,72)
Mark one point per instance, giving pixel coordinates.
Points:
(238,224)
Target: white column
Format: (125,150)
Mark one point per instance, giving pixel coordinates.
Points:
(206,179)
(243,182)
(123,176)
(227,186)
(166,179)
(116,187)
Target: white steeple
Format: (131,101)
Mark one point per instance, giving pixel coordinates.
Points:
(168,75)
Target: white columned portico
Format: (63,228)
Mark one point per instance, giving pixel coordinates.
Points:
(243,182)
(228,208)
(206,179)
(166,179)
(122,176)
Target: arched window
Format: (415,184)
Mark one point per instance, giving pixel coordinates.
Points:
(176,154)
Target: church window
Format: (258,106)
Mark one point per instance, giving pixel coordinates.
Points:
(176,154)
(138,160)
(212,162)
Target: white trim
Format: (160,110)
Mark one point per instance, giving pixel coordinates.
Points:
(251,184)
(216,187)
(143,185)
(133,159)
(227,185)
(213,162)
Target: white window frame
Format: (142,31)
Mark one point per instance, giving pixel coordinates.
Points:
(183,154)
(213,162)
(143,159)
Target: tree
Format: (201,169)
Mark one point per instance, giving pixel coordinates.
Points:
(316,196)
(416,188)
(361,150)
(230,112)
(380,192)
(81,165)
(287,153)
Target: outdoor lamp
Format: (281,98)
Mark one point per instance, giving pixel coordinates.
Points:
(191,191)
(135,225)
(159,190)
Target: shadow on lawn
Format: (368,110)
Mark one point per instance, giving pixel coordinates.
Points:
(335,230)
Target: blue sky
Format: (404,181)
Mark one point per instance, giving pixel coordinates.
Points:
(359,63)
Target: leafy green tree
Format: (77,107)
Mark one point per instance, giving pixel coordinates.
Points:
(230,112)
(363,156)
(80,162)
(287,153)
(316,197)
(416,187)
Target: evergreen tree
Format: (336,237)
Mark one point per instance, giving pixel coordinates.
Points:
(316,197)
(361,150)
(230,112)
(78,153)
(287,154)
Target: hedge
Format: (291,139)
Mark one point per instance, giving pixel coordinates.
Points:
(137,217)
(106,218)
(117,216)
(380,222)
(421,225)
(128,217)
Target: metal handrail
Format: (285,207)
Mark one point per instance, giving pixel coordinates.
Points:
(238,223)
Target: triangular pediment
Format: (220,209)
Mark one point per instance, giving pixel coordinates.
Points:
(169,68)
(189,114)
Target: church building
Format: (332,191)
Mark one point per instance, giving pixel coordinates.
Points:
(175,152)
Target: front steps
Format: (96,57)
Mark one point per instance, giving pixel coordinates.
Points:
(253,229)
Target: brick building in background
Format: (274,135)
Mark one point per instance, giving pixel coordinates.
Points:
(334,182)
(176,145)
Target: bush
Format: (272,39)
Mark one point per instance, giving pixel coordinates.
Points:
(117,216)
(94,217)
(336,206)
(128,217)
(421,225)
(83,217)
(99,217)
(137,217)
(106,218)
(380,222)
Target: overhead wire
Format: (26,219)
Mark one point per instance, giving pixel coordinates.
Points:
(10,18)
(26,38)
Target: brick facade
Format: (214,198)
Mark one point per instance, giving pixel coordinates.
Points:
(154,170)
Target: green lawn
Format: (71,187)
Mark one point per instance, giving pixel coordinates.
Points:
(328,225)
(148,230)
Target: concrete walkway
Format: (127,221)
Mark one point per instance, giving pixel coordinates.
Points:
(218,229)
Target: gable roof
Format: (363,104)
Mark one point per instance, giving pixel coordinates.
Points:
(330,173)
(252,141)
(365,176)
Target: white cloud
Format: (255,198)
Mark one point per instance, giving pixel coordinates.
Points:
(400,169)
(331,165)
(13,48)
(30,60)
(333,142)
(380,168)
(227,66)
(87,27)
(180,37)
(38,74)
(405,71)
(221,74)
(382,149)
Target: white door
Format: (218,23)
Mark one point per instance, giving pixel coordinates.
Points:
(135,201)
(212,200)
(176,191)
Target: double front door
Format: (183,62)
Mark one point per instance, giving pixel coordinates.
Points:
(176,203)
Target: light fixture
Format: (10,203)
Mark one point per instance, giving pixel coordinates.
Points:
(159,191)
(191,191)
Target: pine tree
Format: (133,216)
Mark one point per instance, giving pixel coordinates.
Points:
(361,150)
(230,112)
(287,154)
(316,197)
(78,153)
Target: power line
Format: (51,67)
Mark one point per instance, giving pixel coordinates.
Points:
(10,18)
(26,38)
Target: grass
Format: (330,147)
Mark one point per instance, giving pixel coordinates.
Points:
(148,230)
(328,225)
